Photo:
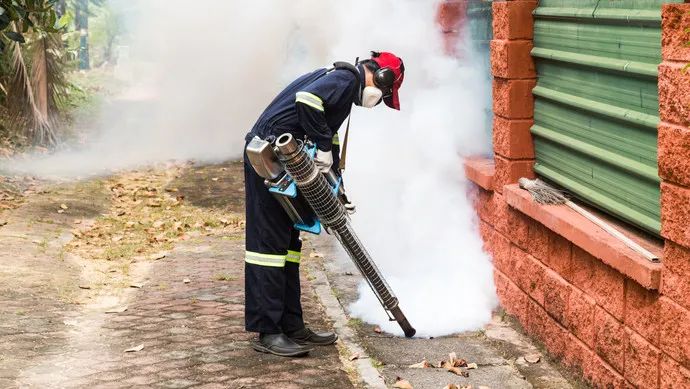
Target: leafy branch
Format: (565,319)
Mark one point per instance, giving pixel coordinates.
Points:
(25,15)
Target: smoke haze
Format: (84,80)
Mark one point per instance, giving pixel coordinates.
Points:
(200,75)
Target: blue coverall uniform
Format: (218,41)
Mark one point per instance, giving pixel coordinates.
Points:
(313,106)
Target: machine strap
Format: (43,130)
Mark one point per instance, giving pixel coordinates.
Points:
(343,153)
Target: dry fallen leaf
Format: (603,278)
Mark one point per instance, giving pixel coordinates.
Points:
(377,329)
(533,358)
(456,371)
(472,366)
(63,206)
(3,223)
(117,309)
(135,348)
(61,211)
(354,357)
(186,280)
(84,287)
(137,285)
(214,179)
(455,362)
(422,365)
(402,384)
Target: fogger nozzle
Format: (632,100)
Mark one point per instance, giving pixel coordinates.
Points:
(319,194)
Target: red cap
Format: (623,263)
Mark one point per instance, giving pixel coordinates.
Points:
(391,61)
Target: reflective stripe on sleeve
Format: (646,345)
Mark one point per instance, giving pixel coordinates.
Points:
(264,259)
(293,256)
(336,140)
(310,99)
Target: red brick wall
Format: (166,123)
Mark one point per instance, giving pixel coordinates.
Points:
(514,77)
(589,315)
(450,16)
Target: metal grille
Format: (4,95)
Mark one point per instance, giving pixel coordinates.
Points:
(333,216)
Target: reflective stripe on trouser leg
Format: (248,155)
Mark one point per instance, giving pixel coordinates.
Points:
(271,260)
(293,256)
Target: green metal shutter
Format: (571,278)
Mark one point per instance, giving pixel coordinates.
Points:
(596,103)
(480,17)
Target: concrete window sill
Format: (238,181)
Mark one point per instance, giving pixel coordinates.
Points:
(480,171)
(576,228)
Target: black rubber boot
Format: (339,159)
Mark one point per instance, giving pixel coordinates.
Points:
(279,344)
(307,336)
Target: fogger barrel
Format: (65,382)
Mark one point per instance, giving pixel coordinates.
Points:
(333,216)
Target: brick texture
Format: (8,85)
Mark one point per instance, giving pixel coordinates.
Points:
(675,18)
(672,374)
(512,99)
(675,331)
(451,14)
(556,296)
(675,213)
(598,280)
(674,94)
(512,59)
(609,338)
(512,138)
(528,274)
(594,369)
(675,279)
(538,240)
(641,362)
(674,153)
(642,311)
(560,255)
(580,316)
(513,224)
(513,20)
(509,171)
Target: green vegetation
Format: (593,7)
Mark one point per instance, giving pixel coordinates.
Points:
(42,45)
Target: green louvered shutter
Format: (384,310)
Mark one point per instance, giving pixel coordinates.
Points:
(480,17)
(597,105)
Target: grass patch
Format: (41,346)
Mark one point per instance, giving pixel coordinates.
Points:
(355,322)
(378,365)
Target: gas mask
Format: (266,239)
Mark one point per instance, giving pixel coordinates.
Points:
(371,96)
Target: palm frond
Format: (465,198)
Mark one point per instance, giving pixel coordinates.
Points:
(36,89)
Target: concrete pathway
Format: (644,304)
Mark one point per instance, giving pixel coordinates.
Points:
(498,350)
(67,321)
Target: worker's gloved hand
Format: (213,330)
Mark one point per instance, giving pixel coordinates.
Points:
(350,208)
(323,160)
